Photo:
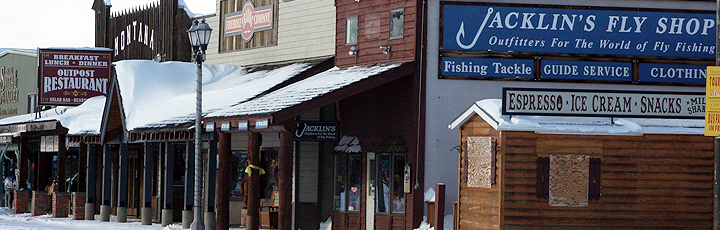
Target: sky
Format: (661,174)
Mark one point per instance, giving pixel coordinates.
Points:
(31,24)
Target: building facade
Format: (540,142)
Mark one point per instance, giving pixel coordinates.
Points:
(468,59)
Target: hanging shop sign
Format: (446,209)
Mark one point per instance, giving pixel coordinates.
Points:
(69,77)
(316,131)
(603,103)
(670,73)
(712,95)
(243,125)
(487,67)
(578,31)
(49,143)
(584,70)
(248,21)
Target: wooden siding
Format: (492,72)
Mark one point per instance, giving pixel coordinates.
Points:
(387,110)
(650,181)
(479,208)
(306,29)
(374,31)
(166,26)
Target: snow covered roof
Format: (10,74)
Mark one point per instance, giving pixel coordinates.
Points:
(161,94)
(80,48)
(302,91)
(83,119)
(490,110)
(26,52)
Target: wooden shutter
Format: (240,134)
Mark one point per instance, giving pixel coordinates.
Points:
(594,182)
(543,177)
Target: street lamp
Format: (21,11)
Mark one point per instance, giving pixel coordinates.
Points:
(199,34)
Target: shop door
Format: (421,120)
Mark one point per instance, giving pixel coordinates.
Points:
(370,197)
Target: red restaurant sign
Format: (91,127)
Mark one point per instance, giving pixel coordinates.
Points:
(69,77)
(249,20)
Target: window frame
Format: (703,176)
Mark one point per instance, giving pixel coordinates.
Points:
(402,23)
(345,160)
(348,30)
(392,188)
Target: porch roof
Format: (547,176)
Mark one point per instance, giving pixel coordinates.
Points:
(279,104)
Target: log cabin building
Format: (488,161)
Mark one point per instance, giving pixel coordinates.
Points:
(539,172)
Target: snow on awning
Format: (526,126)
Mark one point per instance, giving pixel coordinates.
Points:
(302,91)
(348,144)
(490,110)
(83,119)
(163,94)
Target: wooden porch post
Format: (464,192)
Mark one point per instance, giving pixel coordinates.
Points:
(106,184)
(211,181)
(253,209)
(91,185)
(167,211)
(23,163)
(122,184)
(146,210)
(285,162)
(62,155)
(223,182)
(189,184)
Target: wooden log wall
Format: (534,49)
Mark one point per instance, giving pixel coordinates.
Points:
(649,182)
(374,31)
(478,208)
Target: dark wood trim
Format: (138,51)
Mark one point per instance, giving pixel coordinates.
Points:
(345,92)
(222,216)
(285,161)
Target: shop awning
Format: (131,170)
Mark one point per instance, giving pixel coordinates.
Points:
(314,92)
(491,111)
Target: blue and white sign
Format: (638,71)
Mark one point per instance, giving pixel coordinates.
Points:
(243,125)
(667,73)
(225,126)
(210,127)
(487,67)
(578,31)
(262,124)
(584,70)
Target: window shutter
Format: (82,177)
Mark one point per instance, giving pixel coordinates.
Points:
(594,182)
(543,177)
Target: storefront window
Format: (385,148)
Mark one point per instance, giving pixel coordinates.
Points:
(354,182)
(340,193)
(348,182)
(391,181)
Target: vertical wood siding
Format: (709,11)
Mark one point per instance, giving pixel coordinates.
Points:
(650,181)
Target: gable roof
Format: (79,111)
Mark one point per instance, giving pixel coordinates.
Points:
(491,111)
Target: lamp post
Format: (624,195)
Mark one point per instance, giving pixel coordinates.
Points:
(199,34)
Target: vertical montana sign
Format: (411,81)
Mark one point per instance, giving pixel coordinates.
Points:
(71,76)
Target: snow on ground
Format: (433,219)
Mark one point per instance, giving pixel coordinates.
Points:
(25,221)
